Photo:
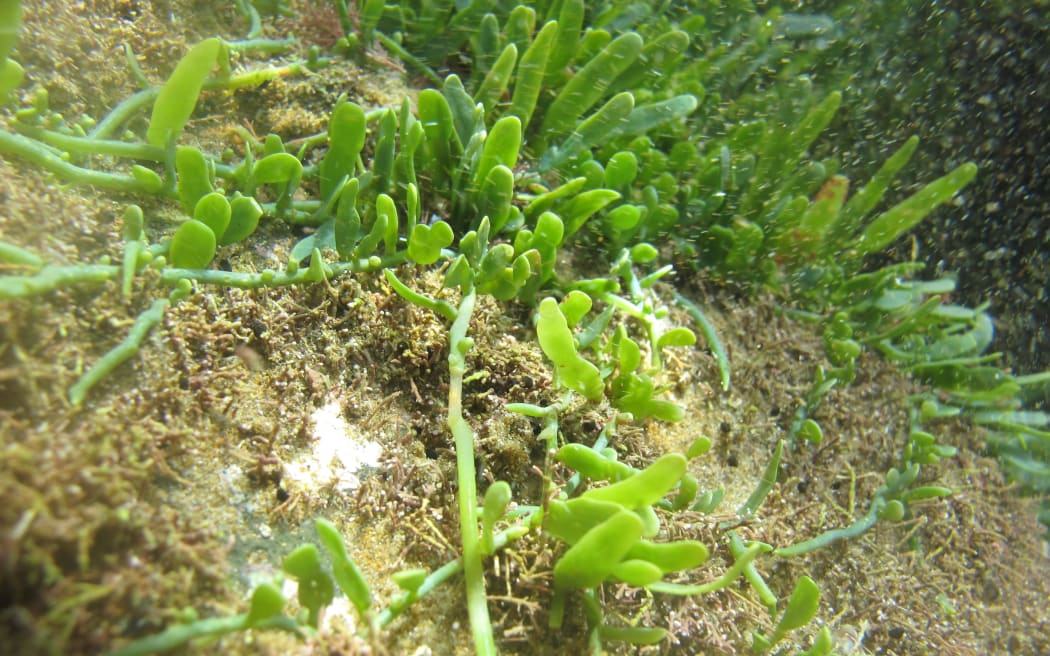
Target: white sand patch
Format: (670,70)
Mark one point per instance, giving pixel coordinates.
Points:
(338,454)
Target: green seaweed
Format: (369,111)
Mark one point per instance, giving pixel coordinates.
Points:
(607,129)
(178,96)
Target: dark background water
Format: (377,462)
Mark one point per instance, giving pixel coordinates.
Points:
(999,64)
(972,81)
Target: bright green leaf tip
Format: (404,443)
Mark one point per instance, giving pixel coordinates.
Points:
(178,96)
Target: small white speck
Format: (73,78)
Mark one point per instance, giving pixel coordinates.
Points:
(340,609)
(339,452)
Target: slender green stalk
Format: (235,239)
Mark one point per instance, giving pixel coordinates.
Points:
(252,15)
(709,334)
(434,579)
(344,17)
(120,114)
(262,45)
(127,348)
(1033,379)
(179,635)
(36,153)
(436,306)
(745,558)
(824,539)
(52,277)
(477,606)
(271,278)
(751,573)
(408,58)
(136,70)
(769,479)
(12,254)
(401,603)
(87,145)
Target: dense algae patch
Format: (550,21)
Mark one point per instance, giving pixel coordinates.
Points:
(168,489)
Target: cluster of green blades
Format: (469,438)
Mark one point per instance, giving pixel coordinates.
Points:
(638,132)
